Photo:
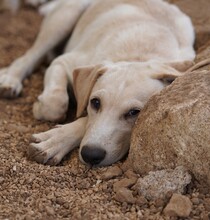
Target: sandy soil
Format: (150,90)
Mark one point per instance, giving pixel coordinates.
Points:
(69,191)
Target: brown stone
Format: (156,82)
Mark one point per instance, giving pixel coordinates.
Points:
(141,201)
(18,128)
(111,173)
(50,210)
(124,183)
(130,174)
(207,204)
(195,201)
(179,206)
(124,195)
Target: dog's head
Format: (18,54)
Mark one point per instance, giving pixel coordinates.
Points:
(112,97)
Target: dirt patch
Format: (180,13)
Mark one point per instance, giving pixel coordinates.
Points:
(70,191)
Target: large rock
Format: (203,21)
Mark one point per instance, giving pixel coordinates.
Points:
(174,128)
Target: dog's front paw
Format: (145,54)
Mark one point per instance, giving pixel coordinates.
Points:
(10,87)
(49,147)
(51,106)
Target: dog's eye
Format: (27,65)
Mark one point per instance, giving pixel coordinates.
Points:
(95,103)
(132,113)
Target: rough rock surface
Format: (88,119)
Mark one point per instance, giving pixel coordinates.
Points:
(173,129)
(179,206)
(159,183)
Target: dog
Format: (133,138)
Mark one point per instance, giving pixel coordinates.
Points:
(120,53)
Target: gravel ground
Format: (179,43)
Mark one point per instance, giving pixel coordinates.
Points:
(69,191)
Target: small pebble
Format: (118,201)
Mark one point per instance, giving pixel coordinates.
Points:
(125,195)
(178,206)
(111,173)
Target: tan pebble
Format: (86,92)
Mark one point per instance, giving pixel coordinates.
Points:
(14,168)
(50,210)
(204,190)
(207,204)
(159,203)
(141,201)
(18,128)
(1,180)
(35,185)
(124,183)
(66,205)
(140,214)
(60,201)
(125,195)
(27,217)
(179,206)
(153,209)
(104,187)
(111,173)
(195,201)
(90,191)
(201,196)
(130,174)
(205,216)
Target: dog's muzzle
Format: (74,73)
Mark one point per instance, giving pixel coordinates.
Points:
(92,155)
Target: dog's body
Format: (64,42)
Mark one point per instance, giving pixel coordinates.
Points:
(120,53)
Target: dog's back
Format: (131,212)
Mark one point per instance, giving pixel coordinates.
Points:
(120,30)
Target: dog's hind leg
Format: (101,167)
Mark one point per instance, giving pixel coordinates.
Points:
(183,29)
(56,26)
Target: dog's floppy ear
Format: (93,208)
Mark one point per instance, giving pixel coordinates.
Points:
(181,66)
(84,79)
(167,78)
(167,73)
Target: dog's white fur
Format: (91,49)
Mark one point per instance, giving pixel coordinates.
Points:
(120,53)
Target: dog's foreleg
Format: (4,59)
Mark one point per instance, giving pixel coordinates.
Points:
(56,26)
(52,104)
(51,146)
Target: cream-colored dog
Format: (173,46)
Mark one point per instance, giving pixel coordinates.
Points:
(120,53)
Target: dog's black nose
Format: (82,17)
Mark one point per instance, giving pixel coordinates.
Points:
(92,155)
